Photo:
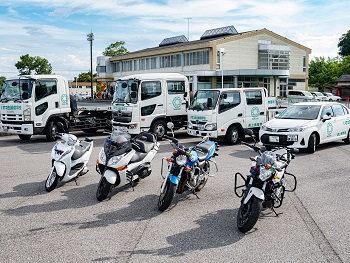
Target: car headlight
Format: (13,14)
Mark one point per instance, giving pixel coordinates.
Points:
(210,127)
(263,127)
(102,156)
(297,129)
(115,159)
(181,160)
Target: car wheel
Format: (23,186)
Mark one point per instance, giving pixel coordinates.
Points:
(311,147)
(347,139)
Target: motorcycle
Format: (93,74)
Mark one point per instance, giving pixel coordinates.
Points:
(266,184)
(188,169)
(124,160)
(69,159)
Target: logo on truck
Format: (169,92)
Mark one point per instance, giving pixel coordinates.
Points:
(177,102)
(64,99)
(255,112)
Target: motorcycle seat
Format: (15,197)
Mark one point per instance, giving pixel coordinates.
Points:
(143,146)
(80,149)
(203,150)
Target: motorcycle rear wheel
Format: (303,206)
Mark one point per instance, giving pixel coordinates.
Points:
(52,180)
(204,181)
(103,189)
(248,214)
(166,197)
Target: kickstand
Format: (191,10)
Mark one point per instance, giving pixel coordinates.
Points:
(194,192)
(277,214)
(75,180)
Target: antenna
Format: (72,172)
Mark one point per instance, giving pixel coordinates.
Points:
(188,27)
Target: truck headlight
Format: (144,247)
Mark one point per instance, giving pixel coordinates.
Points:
(26,114)
(210,127)
(189,126)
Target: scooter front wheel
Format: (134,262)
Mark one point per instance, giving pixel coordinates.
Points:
(166,197)
(103,189)
(52,180)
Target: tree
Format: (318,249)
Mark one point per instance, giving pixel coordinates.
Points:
(85,77)
(115,49)
(344,44)
(29,65)
(2,80)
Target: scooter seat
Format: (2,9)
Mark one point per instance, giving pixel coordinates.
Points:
(143,146)
(203,150)
(80,149)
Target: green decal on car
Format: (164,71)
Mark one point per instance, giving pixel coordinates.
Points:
(347,122)
(64,99)
(177,102)
(341,133)
(329,129)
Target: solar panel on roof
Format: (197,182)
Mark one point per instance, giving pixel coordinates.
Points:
(222,31)
(173,40)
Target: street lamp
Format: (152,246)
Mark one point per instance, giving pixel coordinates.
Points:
(222,53)
(90,38)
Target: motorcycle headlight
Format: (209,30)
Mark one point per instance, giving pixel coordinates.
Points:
(265,173)
(210,127)
(115,159)
(102,156)
(181,160)
(297,129)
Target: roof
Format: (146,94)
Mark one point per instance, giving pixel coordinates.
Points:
(144,76)
(344,78)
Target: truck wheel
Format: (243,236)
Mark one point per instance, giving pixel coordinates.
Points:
(24,137)
(51,131)
(232,135)
(159,128)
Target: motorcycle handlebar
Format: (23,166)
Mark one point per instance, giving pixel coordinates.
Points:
(174,140)
(255,148)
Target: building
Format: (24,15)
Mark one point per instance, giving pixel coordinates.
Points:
(222,57)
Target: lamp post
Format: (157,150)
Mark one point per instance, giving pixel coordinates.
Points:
(90,38)
(222,53)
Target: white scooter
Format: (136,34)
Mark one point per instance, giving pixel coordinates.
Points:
(69,159)
(124,160)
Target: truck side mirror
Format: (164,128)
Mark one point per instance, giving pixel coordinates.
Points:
(185,94)
(209,102)
(25,86)
(133,94)
(134,87)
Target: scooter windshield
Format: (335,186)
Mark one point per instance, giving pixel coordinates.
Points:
(114,147)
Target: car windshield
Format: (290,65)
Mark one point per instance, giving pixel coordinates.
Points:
(301,112)
(17,89)
(126,91)
(204,100)
(318,94)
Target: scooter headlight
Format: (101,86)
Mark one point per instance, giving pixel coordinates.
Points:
(102,156)
(181,160)
(115,159)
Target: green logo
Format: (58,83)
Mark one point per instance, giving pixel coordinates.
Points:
(329,129)
(11,107)
(255,112)
(121,108)
(64,99)
(177,102)
(198,118)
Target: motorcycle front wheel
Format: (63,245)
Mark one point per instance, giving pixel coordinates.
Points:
(166,197)
(248,214)
(204,181)
(52,180)
(103,189)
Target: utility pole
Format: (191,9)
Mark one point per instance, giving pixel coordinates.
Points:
(188,27)
(90,38)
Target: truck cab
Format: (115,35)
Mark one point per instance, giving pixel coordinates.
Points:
(224,113)
(33,105)
(146,102)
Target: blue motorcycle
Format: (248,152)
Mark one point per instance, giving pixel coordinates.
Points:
(188,169)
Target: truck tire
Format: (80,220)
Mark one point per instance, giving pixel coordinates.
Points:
(159,128)
(51,131)
(24,137)
(232,135)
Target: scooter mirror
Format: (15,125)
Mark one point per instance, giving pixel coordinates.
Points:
(170,125)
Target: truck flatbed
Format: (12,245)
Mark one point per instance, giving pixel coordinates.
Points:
(95,105)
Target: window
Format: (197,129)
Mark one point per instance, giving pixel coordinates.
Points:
(253,97)
(170,61)
(44,88)
(338,110)
(229,100)
(304,64)
(150,89)
(196,58)
(175,87)
(327,111)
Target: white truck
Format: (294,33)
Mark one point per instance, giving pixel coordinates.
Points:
(224,113)
(41,104)
(146,102)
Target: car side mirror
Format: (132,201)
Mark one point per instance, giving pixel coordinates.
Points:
(326,117)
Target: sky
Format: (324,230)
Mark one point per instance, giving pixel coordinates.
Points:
(57,29)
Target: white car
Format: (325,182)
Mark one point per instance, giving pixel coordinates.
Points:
(305,125)
(319,96)
(331,97)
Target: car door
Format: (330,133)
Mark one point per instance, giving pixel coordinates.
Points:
(328,127)
(341,119)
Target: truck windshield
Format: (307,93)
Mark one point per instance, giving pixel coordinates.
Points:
(16,89)
(126,91)
(204,100)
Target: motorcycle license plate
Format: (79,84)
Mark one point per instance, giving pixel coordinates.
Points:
(292,138)
(274,138)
